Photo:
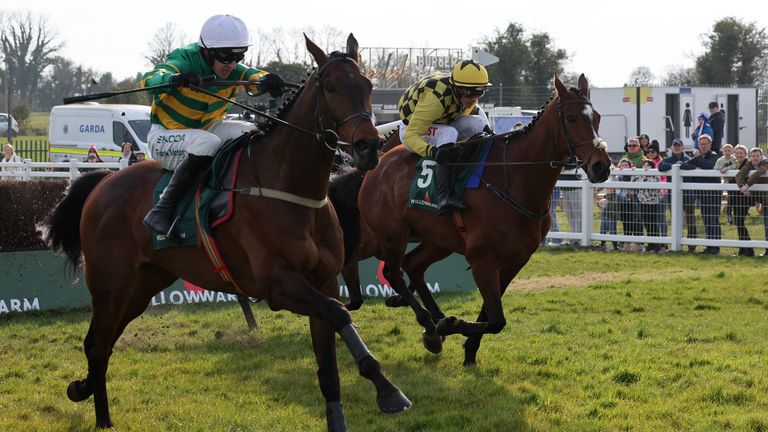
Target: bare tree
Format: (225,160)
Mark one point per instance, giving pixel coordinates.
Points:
(679,77)
(166,39)
(28,46)
(641,76)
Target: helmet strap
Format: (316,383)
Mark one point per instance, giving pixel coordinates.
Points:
(207,56)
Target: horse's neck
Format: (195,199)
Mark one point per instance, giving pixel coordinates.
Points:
(540,144)
(295,161)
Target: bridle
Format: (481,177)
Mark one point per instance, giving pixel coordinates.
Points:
(364,116)
(571,161)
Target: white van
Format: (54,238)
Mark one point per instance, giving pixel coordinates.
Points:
(74,128)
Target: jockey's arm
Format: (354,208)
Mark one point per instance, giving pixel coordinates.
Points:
(427,111)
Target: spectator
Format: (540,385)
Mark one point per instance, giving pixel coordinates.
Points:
(626,199)
(744,180)
(644,140)
(649,205)
(709,200)
(739,202)
(9,156)
(140,157)
(678,157)
(654,155)
(555,225)
(717,122)
(128,153)
(571,199)
(727,162)
(702,128)
(608,212)
(633,152)
(92,151)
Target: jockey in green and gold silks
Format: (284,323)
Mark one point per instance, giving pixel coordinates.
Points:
(440,110)
(183,107)
(188,126)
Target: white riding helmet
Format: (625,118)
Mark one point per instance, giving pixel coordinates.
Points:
(224,31)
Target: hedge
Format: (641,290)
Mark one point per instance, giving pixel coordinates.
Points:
(23,206)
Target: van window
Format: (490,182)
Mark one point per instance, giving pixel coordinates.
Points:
(141,128)
(120,134)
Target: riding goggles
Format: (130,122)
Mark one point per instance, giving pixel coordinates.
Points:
(227,57)
(470,91)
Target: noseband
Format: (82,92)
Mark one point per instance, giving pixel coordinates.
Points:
(572,146)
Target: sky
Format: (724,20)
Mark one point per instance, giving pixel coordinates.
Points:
(606,40)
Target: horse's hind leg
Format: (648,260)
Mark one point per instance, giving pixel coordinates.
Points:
(393,255)
(116,302)
(351,274)
(415,265)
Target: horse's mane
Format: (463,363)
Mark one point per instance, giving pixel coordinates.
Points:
(514,135)
(282,111)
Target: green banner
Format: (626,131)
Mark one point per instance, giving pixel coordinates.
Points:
(37,281)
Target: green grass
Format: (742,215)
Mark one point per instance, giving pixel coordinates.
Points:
(594,342)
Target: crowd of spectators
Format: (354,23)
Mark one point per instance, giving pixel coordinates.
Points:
(643,211)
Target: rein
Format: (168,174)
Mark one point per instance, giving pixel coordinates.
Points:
(571,161)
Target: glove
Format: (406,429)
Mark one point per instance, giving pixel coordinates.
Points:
(186,79)
(272,84)
(445,153)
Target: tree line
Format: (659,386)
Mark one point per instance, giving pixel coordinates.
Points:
(736,53)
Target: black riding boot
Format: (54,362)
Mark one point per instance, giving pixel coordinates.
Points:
(445,197)
(160,218)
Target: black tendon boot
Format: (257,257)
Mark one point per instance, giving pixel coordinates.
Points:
(160,218)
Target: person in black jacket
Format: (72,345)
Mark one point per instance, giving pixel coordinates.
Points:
(678,157)
(717,121)
(709,200)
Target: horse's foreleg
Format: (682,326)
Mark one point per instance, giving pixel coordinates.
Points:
(351,275)
(487,279)
(245,305)
(292,292)
(324,345)
(472,344)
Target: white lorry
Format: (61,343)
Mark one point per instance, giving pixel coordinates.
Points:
(74,128)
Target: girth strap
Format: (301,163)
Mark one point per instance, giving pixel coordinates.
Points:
(281,195)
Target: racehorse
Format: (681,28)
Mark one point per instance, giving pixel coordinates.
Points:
(286,250)
(505,221)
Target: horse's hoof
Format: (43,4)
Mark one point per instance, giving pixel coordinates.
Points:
(75,391)
(433,343)
(446,326)
(395,301)
(394,402)
(470,363)
(353,305)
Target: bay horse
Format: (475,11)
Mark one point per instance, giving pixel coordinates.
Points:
(287,251)
(505,221)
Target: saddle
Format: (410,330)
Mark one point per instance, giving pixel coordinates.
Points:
(213,194)
(423,191)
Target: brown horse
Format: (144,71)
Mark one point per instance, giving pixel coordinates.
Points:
(505,221)
(287,251)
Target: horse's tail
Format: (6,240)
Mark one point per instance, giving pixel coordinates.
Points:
(63,222)
(342,192)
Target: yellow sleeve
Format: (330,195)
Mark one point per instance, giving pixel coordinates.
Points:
(428,109)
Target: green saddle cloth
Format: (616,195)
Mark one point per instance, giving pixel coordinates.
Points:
(213,184)
(423,191)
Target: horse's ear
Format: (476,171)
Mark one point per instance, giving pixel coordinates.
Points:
(584,86)
(561,90)
(316,51)
(352,48)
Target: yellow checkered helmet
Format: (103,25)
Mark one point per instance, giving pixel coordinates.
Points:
(469,76)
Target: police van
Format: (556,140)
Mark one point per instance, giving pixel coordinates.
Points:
(75,128)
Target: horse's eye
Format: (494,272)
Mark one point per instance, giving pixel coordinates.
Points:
(330,88)
(570,118)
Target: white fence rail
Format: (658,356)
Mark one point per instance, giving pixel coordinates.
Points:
(671,229)
(674,231)
(28,170)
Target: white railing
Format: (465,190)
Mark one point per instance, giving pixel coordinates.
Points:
(28,170)
(673,214)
